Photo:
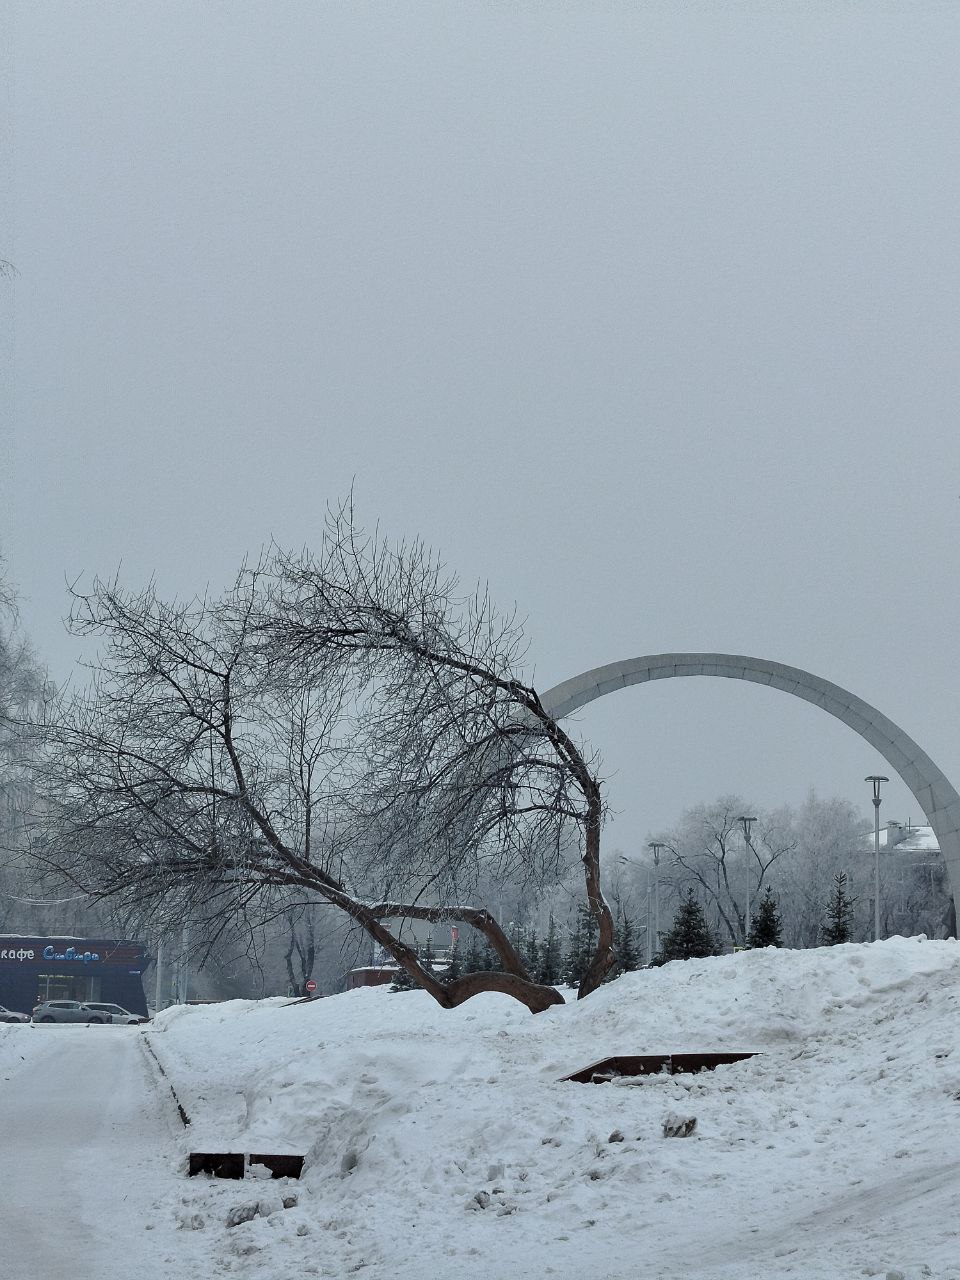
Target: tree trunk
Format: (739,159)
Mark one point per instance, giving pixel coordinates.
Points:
(536,996)
(517,984)
(604,958)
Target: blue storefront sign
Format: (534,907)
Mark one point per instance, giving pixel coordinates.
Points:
(108,969)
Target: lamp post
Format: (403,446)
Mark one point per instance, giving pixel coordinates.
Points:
(629,862)
(747,825)
(876,779)
(183,976)
(158,987)
(656,846)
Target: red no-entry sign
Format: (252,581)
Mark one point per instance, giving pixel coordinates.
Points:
(311,986)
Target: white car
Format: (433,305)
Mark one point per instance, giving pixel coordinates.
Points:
(114,1013)
(11,1015)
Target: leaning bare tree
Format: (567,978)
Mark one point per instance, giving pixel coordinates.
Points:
(343,724)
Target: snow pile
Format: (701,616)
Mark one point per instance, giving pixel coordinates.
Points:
(442,1144)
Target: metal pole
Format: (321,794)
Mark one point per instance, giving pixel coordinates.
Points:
(183,976)
(876,779)
(656,846)
(876,869)
(649,930)
(159,977)
(747,825)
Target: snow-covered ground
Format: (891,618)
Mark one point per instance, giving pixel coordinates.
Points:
(91,1160)
(443,1145)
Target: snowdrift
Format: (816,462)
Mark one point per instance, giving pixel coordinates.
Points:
(442,1144)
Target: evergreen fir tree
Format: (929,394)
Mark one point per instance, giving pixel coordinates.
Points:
(551,960)
(573,958)
(628,952)
(766,927)
(531,953)
(403,981)
(472,958)
(478,957)
(689,936)
(839,911)
(454,968)
(591,935)
(583,942)
(517,939)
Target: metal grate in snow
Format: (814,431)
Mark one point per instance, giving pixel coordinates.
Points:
(234,1164)
(651,1064)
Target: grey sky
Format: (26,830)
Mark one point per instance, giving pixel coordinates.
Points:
(647,313)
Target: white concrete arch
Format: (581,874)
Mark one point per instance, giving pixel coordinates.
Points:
(934,793)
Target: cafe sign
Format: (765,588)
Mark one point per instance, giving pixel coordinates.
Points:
(79,951)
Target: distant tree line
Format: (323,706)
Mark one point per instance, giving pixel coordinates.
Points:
(795,856)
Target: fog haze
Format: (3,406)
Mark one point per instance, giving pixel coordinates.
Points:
(646,314)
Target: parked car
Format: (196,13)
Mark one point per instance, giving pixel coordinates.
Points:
(68,1011)
(11,1015)
(114,1013)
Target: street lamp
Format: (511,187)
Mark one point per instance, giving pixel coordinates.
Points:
(876,779)
(656,846)
(629,862)
(747,825)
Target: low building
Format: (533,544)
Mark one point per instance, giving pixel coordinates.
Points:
(385,972)
(370,975)
(915,891)
(63,968)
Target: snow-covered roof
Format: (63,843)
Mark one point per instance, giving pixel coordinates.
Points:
(906,839)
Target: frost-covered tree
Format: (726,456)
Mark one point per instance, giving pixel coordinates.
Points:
(708,849)
(343,723)
(795,852)
(25,691)
(301,926)
(826,834)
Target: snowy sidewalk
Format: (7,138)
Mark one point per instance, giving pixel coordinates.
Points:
(91,1155)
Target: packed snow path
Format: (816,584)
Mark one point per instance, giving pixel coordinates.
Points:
(91,1156)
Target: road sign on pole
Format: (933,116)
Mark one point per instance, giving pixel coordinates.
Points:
(310,987)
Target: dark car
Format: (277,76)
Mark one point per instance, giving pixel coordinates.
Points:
(11,1015)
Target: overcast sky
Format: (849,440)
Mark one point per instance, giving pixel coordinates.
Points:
(645,313)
